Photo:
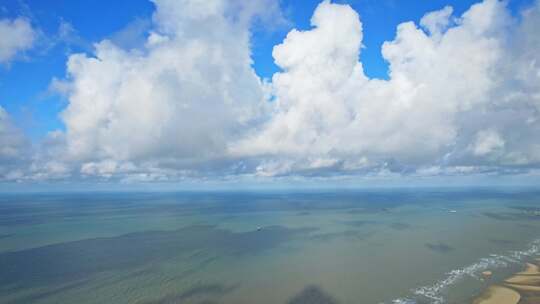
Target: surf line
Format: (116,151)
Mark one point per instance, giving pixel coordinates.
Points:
(434,293)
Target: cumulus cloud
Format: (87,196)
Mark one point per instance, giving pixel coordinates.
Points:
(175,101)
(17,35)
(449,80)
(437,22)
(463,97)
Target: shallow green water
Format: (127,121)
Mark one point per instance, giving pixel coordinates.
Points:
(422,246)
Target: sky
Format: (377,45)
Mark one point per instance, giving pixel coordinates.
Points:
(244,93)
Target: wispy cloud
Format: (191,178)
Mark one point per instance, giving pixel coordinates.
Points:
(17,36)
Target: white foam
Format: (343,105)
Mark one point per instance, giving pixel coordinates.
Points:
(434,294)
(403,301)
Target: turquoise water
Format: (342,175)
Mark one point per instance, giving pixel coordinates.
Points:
(377,246)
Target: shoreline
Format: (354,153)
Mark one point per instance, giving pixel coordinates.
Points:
(523,287)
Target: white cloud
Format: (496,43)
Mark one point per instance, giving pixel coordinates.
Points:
(463,97)
(437,22)
(446,85)
(10,137)
(14,148)
(487,141)
(179,99)
(16,35)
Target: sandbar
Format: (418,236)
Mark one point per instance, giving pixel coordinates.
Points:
(496,294)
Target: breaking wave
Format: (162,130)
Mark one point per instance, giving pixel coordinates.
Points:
(434,294)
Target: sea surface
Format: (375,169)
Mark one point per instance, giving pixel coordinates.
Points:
(318,247)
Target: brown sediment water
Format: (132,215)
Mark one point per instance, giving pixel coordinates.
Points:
(521,288)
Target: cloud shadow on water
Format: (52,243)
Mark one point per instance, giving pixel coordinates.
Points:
(400,226)
(439,247)
(312,294)
(348,234)
(514,216)
(56,265)
(359,223)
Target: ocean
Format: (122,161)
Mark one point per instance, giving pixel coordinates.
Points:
(320,247)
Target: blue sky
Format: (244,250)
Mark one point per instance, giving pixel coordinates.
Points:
(64,28)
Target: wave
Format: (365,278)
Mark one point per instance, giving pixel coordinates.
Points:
(434,294)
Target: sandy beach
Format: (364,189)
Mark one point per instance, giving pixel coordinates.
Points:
(523,288)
